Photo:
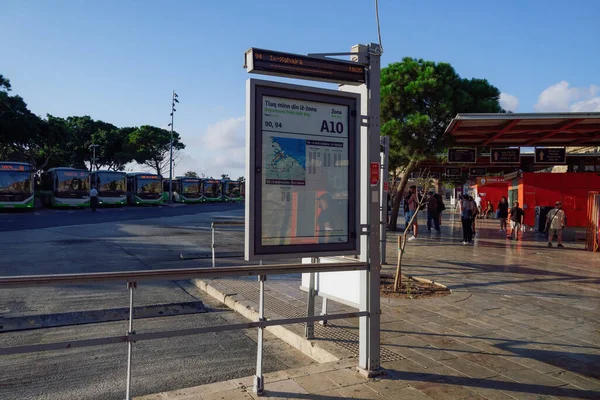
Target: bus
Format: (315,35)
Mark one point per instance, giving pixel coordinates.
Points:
(232,191)
(111,186)
(212,190)
(144,188)
(16,185)
(189,189)
(65,187)
(176,189)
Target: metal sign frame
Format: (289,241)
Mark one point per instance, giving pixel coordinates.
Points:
(536,159)
(504,162)
(453,168)
(465,149)
(254,249)
(475,175)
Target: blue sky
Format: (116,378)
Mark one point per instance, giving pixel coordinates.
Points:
(119,60)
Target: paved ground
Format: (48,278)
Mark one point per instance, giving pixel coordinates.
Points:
(523,322)
(129,239)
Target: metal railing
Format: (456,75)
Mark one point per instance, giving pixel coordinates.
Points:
(213,225)
(132,278)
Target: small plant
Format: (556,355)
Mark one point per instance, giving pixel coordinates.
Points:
(425,182)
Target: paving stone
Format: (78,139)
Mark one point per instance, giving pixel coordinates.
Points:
(360,391)
(577,380)
(345,377)
(236,394)
(316,383)
(494,363)
(443,391)
(469,368)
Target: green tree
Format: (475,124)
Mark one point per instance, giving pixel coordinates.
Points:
(23,135)
(191,174)
(225,176)
(418,100)
(152,146)
(241,179)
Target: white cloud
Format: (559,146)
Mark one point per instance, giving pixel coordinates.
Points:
(225,134)
(509,102)
(563,97)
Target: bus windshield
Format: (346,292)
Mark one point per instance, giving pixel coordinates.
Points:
(153,186)
(191,187)
(233,189)
(212,189)
(14,182)
(110,183)
(72,183)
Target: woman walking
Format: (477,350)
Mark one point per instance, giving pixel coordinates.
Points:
(502,213)
(466,217)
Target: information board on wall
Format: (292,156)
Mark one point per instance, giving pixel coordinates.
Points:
(302,171)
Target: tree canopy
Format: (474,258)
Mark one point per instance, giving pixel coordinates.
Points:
(418,100)
(191,174)
(54,141)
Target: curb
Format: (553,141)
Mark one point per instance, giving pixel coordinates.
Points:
(296,341)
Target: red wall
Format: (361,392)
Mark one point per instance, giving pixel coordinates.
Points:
(545,189)
(493,192)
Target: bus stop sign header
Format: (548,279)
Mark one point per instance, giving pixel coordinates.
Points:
(289,65)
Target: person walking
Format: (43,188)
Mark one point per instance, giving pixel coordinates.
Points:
(433,218)
(466,216)
(517,215)
(502,213)
(413,206)
(555,222)
(475,213)
(441,206)
(94,198)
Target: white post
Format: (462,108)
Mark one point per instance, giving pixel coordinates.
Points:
(384,155)
(212,242)
(259,384)
(130,286)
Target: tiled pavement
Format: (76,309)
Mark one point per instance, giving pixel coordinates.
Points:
(523,322)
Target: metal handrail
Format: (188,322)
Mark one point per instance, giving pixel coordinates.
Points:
(213,225)
(132,277)
(173,274)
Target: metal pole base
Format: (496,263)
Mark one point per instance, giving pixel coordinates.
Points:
(259,385)
(370,373)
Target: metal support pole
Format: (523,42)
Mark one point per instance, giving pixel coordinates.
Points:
(369,335)
(324,312)
(212,243)
(130,332)
(384,190)
(310,309)
(259,384)
(171,151)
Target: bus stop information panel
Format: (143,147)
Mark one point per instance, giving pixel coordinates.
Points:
(303,171)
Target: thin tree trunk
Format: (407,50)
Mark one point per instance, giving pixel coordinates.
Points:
(399,191)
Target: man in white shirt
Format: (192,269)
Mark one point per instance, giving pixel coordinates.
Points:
(555,222)
(94,198)
(478,202)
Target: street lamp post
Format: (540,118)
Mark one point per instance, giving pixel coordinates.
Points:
(94,147)
(171,147)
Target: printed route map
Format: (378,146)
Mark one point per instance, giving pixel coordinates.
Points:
(286,163)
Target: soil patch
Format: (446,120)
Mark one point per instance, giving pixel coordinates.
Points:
(411,288)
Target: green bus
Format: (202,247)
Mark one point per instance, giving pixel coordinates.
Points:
(175,187)
(189,190)
(232,191)
(111,186)
(212,190)
(65,187)
(16,185)
(144,188)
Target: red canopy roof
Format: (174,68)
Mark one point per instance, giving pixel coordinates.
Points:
(526,130)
